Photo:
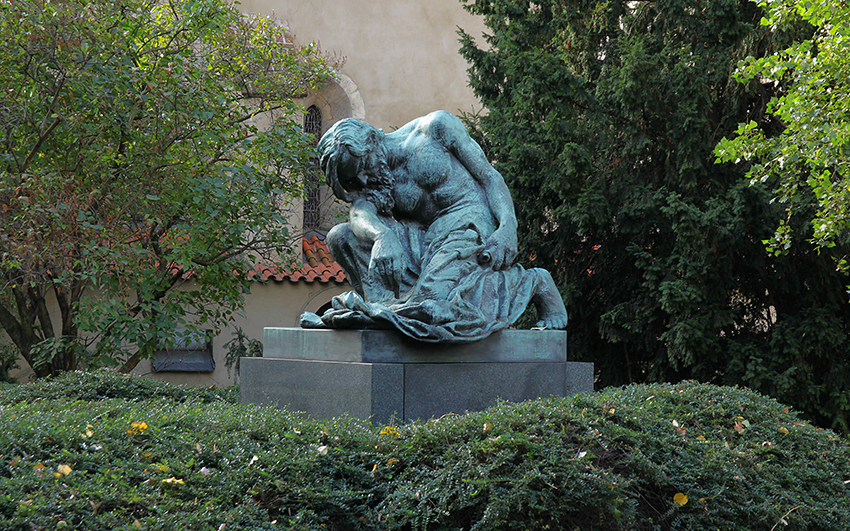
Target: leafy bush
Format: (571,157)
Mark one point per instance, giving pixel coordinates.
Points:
(9,355)
(644,457)
(104,383)
(240,346)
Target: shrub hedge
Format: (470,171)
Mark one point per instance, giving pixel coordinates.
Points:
(135,454)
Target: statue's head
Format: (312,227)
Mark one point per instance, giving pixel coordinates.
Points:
(344,155)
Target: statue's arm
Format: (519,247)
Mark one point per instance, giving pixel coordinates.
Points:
(387,257)
(502,244)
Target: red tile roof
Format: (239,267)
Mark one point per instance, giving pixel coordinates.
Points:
(319,266)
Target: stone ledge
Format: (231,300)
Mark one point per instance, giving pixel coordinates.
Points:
(389,346)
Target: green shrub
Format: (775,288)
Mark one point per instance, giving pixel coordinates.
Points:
(105,383)
(619,459)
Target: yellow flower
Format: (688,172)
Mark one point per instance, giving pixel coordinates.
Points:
(392,431)
(137,428)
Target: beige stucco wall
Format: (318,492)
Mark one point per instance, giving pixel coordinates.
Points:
(402,55)
(273,304)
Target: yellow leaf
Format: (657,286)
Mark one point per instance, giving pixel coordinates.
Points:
(161,467)
(173,481)
(680,499)
(38,467)
(392,431)
(137,428)
(64,469)
(783,429)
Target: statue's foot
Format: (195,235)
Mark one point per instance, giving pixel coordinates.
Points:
(550,305)
(311,320)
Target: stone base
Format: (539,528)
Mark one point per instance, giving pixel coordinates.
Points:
(380,374)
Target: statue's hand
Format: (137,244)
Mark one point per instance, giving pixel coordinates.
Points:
(501,248)
(388,261)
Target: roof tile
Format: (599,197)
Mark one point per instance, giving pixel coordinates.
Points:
(319,266)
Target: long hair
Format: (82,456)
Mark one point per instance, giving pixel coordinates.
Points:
(342,152)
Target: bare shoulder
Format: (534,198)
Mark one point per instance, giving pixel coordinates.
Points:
(443,126)
(442,120)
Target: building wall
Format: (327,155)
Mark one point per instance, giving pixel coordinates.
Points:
(402,55)
(273,304)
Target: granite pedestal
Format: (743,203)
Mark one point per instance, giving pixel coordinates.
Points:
(380,374)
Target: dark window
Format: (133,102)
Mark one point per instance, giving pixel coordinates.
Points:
(188,351)
(312,126)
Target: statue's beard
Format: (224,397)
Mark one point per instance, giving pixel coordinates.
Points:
(379,191)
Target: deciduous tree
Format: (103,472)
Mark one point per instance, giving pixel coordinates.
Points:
(143,144)
(809,151)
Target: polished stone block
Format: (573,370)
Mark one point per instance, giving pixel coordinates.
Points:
(380,374)
(389,346)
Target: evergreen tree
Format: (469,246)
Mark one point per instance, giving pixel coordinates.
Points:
(603,116)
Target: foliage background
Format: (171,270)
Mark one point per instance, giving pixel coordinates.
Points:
(603,117)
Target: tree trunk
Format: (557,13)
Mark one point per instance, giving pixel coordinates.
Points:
(30,324)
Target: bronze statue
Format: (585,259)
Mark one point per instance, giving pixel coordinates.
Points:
(431,238)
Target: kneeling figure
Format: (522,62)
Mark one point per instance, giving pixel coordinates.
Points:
(431,238)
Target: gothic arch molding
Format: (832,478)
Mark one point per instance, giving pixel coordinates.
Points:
(338,99)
